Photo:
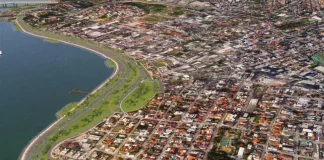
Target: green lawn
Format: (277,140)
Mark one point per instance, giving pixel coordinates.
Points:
(177,11)
(318,58)
(66,109)
(176,118)
(313,65)
(159,63)
(16,27)
(158,88)
(321,56)
(256,119)
(110,63)
(138,97)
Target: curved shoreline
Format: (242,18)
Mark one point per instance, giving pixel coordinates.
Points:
(116,70)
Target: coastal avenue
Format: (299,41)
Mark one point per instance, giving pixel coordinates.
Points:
(16,3)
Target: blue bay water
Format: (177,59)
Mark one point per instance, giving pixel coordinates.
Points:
(35,80)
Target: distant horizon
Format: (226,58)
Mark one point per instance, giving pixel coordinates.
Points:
(20,0)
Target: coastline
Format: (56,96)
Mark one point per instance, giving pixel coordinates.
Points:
(116,70)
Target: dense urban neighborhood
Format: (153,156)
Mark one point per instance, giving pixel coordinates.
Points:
(239,79)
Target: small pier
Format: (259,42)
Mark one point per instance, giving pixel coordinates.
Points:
(75,90)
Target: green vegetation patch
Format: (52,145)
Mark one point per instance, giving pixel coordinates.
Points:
(148,8)
(313,65)
(66,109)
(17,27)
(154,18)
(110,63)
(229,150)
(318,58)
(256,119)
(176,118)
(161,62)
(255,1)
(51,40)
(219,155)
(177,11)
(157,86)
(138,97)
(321,56)
(291,25)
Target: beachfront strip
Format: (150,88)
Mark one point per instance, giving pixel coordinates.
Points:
(238,77)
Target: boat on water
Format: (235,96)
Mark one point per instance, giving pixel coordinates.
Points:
(0,53)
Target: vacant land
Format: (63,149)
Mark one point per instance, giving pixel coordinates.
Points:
(138,97)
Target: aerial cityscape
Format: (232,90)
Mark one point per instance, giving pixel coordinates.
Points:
(191,79)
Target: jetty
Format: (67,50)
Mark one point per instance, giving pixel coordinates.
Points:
(75,90)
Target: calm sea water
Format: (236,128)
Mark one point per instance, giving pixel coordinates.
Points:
(35,80)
